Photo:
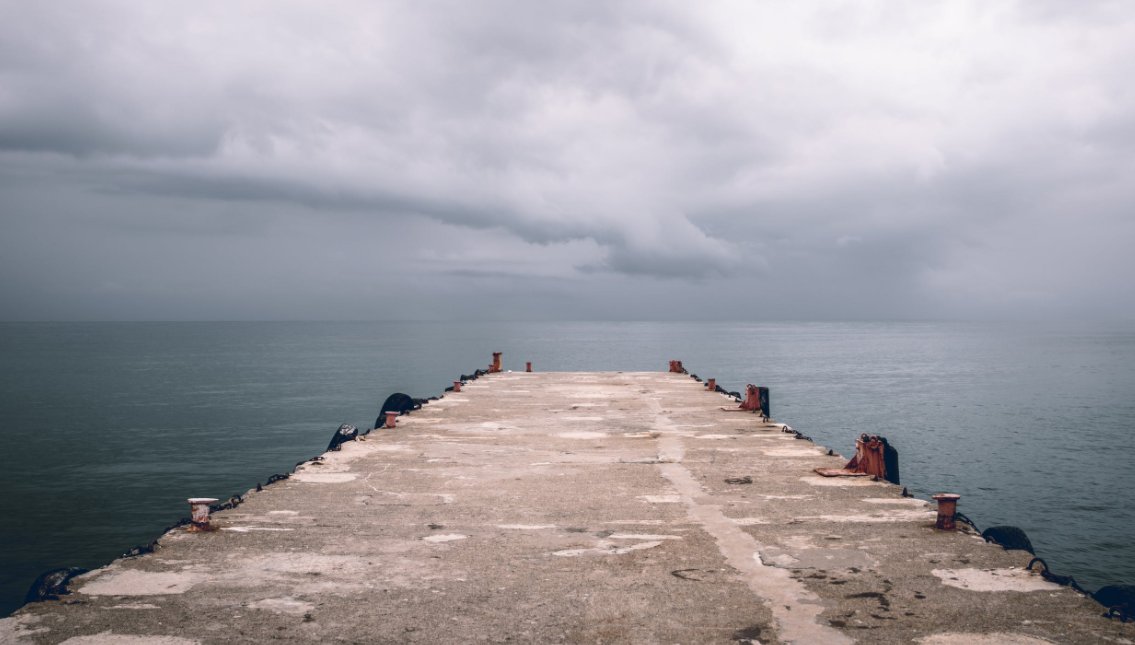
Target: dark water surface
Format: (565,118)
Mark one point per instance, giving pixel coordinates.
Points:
(106,428)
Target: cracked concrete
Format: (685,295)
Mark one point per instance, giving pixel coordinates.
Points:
(571,507)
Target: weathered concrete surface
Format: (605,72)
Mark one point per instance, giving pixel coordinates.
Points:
(571,507)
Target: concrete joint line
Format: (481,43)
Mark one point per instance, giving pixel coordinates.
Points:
(794,608)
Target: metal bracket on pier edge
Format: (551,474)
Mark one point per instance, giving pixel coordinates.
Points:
(756,400)
(874,457)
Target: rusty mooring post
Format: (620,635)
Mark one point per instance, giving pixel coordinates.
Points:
(528,366)
(711,384)
(496,364)
(199,513)
(391,419)
(947,509)
(457,386)
(676,367)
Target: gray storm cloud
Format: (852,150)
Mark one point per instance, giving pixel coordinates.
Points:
(288,160)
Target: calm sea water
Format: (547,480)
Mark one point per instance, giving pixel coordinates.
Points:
(108,427)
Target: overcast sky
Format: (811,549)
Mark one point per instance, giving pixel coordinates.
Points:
(575,160)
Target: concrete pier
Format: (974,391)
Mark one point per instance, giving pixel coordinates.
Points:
(571,507)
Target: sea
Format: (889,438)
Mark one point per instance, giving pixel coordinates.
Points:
(107,428)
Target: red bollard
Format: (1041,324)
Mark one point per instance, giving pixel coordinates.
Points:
(495,367)
(711,384)
(457,386)
(947,509)
(391,419)
(199,513)
(528,366)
